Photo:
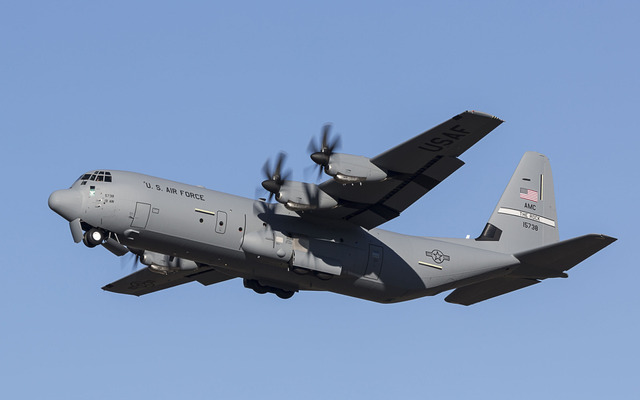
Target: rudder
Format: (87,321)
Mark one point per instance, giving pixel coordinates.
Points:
(525,217)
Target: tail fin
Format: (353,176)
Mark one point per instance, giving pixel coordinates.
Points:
(525,224)
(525,217)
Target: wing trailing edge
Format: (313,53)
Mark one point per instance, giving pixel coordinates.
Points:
(146,281)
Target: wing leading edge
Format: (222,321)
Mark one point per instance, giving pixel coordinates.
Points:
(413,168)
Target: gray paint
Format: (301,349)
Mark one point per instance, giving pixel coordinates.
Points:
(187,233)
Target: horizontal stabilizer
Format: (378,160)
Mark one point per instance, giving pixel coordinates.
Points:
(481,291)
(552,260)
(544,262)
(146,281)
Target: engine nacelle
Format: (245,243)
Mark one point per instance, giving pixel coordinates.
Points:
(270,244)
(347,168)
(162,263)
(311,254)
(301,196)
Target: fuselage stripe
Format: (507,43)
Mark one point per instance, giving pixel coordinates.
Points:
(426,264)
(205,211)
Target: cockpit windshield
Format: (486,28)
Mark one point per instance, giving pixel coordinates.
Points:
(97,176)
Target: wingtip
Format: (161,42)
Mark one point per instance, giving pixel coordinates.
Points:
(483,114)
(609,239)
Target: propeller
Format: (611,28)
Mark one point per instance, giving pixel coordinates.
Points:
(275,177)
(134,258)
(321,152)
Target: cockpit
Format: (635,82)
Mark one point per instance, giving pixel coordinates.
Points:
(96,176)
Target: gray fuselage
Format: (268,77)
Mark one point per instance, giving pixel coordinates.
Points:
(256,240)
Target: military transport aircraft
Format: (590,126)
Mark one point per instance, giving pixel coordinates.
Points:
(325,237)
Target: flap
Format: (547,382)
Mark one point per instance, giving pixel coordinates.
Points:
(146,281)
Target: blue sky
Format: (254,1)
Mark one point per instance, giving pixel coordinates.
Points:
(204,92)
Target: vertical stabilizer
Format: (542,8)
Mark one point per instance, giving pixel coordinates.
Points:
(525,217)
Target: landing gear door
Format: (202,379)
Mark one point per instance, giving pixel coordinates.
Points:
(141,216)
(374,264)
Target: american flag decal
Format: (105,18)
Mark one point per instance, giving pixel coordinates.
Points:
(528,194)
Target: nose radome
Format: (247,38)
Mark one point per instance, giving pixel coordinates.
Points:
(67,203)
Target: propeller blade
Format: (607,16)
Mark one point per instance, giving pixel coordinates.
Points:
(311,147)
(326,129)
(277,175)
(132,259)
(326,145)
(264,210)
(311,191)
(335,145)
(266,169)
(313,172)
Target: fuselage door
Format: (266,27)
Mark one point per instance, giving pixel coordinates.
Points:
(221,222)
(141,216)
(374,264)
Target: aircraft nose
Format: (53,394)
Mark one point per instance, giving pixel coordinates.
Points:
(67,203)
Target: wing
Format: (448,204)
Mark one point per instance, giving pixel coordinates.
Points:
(413,168)
(146,281)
